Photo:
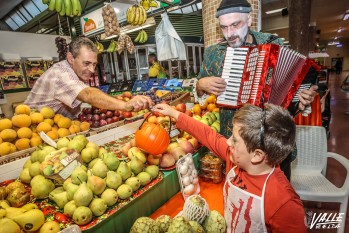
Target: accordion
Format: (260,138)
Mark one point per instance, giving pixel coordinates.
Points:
(267,71)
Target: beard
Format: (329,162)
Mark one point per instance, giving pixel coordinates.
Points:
(240,36)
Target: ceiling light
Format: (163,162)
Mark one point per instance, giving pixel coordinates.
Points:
(346,15)
(339,45)
(333,43)
(339,29)
(274,11)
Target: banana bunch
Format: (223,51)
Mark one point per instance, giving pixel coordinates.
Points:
(113,46)
(142,37)
(64,7)
(99,46)
(136,15)
(148,3)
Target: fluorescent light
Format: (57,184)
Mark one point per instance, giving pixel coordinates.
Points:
(346,15)
(274,11)
(339,45)
(339,29)
(333,43)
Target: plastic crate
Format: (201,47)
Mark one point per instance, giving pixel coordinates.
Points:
(114,87)
(140,85)
(156,83)
(127,85)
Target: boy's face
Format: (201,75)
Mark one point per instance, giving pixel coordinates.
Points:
(238,151)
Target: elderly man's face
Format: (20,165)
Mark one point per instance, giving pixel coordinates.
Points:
(235,28)
(84,64)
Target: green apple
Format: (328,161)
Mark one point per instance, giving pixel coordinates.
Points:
(197,117)
(205,121)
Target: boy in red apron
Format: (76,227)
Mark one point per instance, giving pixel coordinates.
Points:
(257,195)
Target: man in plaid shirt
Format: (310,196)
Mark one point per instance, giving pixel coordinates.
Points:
(63,87)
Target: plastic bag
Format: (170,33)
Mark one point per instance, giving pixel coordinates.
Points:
(187,176)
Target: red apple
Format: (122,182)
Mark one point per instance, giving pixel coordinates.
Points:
(189,113)
(103,110)
(125,148)
(116,113)
(82,117)
(96,117)
(152,119)
(86,111)
(181,107)
(103,122)
(115,119)
(119,97)
(171,146)
(103,116)
(127,114)
(109,113)
(133,142)
(109,120)
(127,94)
(186,146)
(178,152)
(152,160)
(194,142)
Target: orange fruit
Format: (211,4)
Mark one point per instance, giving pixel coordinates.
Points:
(211,99)
(197,109)
(215,110)
(204,106)
(210,107)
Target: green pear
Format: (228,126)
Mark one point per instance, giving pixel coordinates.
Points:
(208,118)
(57,190)
(102,152)
(36,179)
(62,142)
(75,144)
(144,177)
(25,176)
(98,206)
(124,171)
(2,214)
(50,227)
(93,162)
(66,182)
(217,116)
(82,215)
(96,184)
(27,164)
(100,169)
(71,189)
(84,168)
(69,208)
(212,115)
(205,121)
(113,180)
(12,212)
(83,196)
(42,188)
(124,191)
(60,198)
(9,226)
(30,206)
(111,161)
(35,156)
(136,165)
(110,196)
(31,220)
(78,176)
(88,154)
(92,145)
(81,138)
(153,171)
(134,183)
(46,150)
(35,170)
(141,156)
(48,170)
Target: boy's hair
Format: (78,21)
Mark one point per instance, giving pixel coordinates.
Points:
(75,45)
(153,55)
(279,130)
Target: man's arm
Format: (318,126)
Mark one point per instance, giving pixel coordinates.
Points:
(99,99)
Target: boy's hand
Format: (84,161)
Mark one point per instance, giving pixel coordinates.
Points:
(166,110)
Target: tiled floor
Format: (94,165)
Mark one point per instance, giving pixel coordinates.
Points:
(338,142)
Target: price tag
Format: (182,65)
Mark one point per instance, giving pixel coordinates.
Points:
(174,133)
(47,139)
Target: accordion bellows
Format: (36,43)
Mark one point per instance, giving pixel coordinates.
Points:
(269,71)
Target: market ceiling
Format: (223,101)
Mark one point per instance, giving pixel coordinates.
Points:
(327,17)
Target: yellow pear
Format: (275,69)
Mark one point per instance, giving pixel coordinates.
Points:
(30,206)
(9,226)
(50,227)
(12,212)
(31,220)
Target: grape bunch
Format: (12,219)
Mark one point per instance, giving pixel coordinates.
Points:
(62,47)
(153,97)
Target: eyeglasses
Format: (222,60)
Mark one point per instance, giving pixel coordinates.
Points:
(262,130)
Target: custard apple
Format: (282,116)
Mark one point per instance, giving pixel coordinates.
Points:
(180,225)
(196,227)
(164,222)
(215,223)
(145,225)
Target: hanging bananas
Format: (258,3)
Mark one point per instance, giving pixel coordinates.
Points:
(142,37)
(99,46)
(113,46)
(136,15)
(64,7)
(148,3)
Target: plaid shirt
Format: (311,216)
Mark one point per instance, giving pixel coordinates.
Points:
(57,88)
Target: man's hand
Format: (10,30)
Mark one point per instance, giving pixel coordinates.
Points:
(211,85)
(166,110)
(138,103)
(306,97)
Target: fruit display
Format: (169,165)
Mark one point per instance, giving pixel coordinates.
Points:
(142,37)
(100,47)
(62,48)
(209,106)
(213,223)
(136,15)
(22,130)
(64,7)
(211,119)
(171,96)
(91,189)
(125,42)
(188,176)
(100,117)
(111,24)
(148,3)
(113,46)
